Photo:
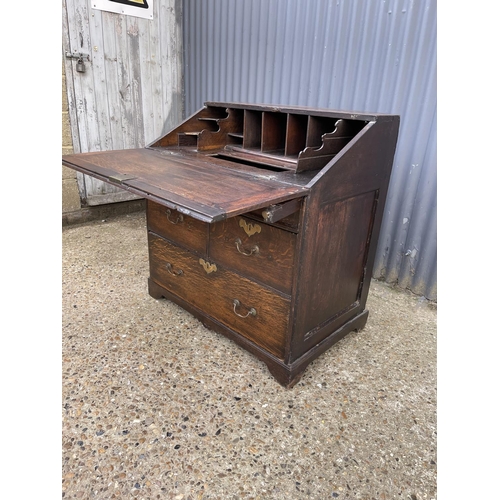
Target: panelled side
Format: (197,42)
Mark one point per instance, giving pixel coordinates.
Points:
(340,235)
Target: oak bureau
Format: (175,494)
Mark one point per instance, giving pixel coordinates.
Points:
(263,221)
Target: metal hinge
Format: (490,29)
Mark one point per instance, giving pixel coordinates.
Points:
(77,55)
(120,178)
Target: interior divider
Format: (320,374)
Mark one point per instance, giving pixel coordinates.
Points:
(296,134)
(316,127)
(274,132)
(235,136)
(252,129)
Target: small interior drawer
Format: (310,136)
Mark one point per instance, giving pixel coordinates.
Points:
(180,228)
(256,250)
(247,308)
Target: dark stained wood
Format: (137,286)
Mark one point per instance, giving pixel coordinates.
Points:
(275,213)
(252,129)
(329,113)
(263,221)
(365,166)
(317,127)
(348,128)
(325,139)
(266,255)
(287,374)
(192,124)
(157,291)
(273,131)
(213,140)
(312,158)
(177,227)
(341,246)
(346,203)
(296,134)
(288,223)
(185,276)
(257,158)
(205,193)
(299,364)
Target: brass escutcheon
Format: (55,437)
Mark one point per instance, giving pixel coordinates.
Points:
(209,268)
(250,228)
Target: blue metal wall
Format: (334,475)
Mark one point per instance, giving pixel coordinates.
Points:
(353,55)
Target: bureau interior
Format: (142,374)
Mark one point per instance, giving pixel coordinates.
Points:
(274,140)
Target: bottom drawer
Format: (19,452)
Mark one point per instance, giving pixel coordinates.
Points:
(247,308)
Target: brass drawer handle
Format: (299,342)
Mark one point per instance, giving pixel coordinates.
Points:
(179,219)
(251,311)
(170,269)
(254,249)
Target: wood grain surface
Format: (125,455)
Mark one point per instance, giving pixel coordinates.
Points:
(216,291)
(184,230)
(271,251)
(206,191)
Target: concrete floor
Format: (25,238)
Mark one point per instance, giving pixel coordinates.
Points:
(157,406)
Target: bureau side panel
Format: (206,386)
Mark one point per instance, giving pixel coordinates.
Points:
(336,270)
(340,236)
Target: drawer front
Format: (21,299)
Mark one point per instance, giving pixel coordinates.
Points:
(255,250)
(242,305)
(179,228)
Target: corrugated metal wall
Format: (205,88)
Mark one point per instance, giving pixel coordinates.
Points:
(354,55)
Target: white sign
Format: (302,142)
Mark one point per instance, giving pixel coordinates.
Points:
(137,8)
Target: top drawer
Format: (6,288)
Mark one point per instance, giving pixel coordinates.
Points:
(258,251)
(179,228)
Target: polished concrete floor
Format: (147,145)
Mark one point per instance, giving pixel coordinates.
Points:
(155,406)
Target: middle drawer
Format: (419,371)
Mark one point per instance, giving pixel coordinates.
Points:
(259,251)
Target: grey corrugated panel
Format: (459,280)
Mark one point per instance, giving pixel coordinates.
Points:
(352,55)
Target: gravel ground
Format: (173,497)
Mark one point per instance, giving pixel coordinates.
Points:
(155,406)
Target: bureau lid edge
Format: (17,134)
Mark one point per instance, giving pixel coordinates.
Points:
(213,212)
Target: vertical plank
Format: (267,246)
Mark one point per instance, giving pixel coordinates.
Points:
(133,28)
(99,86)
(111,69)
(79,41)
(88,111)
(145,70)
(70,89)
(171,62)
(153,95)
(75,44)
(124,85)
